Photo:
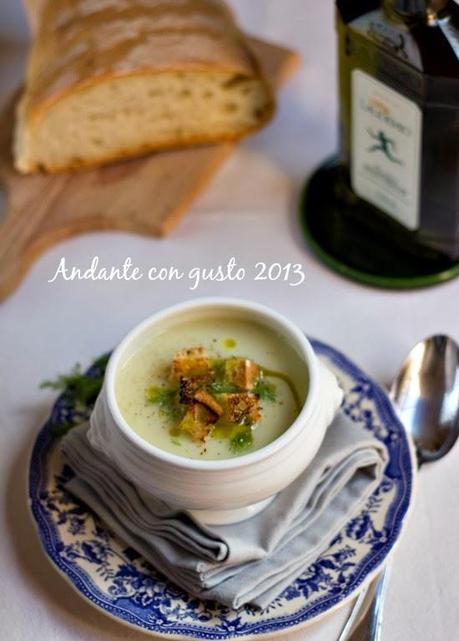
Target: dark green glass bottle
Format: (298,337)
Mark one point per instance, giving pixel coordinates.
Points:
(387,209)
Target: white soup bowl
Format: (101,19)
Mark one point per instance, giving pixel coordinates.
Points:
(227,490)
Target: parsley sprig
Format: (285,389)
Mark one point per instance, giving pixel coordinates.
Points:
(81,387)
(222,387)
(166,398)
(264,390)
(241,440)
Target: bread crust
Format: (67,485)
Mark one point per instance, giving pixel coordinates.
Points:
(137,152)
(83,43)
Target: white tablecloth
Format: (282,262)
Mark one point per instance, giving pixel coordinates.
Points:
(248,212)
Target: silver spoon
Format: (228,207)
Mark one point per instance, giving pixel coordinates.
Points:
(426,396)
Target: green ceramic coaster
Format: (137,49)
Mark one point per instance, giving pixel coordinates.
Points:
(361,254)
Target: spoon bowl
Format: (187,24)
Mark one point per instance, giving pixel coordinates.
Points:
(426,395)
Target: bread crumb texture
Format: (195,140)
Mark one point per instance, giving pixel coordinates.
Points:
(112,79)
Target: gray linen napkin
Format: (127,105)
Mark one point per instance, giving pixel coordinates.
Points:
(248,562)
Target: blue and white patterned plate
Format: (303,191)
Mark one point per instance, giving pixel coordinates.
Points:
(113,577)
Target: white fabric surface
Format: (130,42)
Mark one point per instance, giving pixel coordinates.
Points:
(251,562)
(249,212)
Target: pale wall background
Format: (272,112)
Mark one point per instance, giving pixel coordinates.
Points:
(13,25)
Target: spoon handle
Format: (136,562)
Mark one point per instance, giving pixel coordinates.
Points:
(368,627)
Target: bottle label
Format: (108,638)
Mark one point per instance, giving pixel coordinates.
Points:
(386,148)
(392,36)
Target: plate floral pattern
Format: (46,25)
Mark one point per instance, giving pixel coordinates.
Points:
(117,580)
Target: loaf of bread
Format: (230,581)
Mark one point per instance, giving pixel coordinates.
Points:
(112,79)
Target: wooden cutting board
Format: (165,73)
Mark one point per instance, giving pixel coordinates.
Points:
(146,195)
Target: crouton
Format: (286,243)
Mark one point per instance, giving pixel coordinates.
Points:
(242,372)
(190,362)
(243,408)
(209,401)
(198,422)
(188,387)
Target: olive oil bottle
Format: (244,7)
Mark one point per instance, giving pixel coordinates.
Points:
(387,209)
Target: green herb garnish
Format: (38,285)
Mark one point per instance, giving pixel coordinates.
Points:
(265,391)
(102,361)
(166,398)
(61,429)
(218,368)
(160,395)
(241,440)
(84,388)
(221,387)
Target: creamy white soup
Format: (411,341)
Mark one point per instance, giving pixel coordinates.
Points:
(211,388)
